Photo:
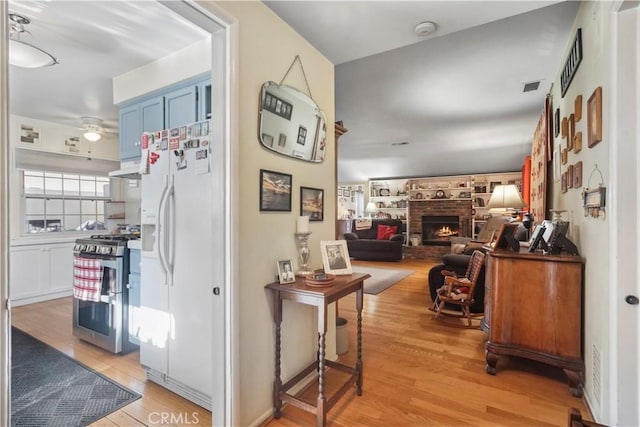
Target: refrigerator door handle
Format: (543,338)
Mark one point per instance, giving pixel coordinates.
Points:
(161,223)
(169,241)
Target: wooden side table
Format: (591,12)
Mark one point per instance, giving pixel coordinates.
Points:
(321,297)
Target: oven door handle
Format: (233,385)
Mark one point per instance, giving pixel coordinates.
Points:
(161,223)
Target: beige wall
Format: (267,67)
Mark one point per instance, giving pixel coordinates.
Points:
(267,46)
(589,234)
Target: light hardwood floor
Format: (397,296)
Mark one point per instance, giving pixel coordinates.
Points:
(50,322)
(421,372)
(417,370)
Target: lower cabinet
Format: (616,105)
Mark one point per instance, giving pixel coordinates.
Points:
(40,272)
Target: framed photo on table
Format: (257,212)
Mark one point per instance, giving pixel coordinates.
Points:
(335,257)
(285,271)
(504,238)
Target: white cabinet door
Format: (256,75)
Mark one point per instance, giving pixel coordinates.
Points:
(40,271)
(26,278)
(60,267)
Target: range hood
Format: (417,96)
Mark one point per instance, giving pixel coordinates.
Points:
(128,170)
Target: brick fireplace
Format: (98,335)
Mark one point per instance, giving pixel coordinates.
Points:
(436,208)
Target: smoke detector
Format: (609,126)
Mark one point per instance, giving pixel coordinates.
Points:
(425,28)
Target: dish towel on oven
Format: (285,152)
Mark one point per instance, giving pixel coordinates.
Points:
(87,278)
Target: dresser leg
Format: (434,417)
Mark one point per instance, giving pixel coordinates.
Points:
(320,406)
(277,384)
(575,382)
(359,296)
(492,361)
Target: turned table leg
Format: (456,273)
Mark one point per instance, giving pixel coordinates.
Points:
(359,293)
(321,415)
(277,384)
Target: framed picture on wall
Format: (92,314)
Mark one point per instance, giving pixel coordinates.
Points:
(275,191)
(312,203)
(594,118)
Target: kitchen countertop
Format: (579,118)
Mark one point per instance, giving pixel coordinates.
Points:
(135,244)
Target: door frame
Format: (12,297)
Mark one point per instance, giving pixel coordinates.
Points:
(226,40)
(624,215)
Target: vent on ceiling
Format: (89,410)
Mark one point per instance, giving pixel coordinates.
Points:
(531,86)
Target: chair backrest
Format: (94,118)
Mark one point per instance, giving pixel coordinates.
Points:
(475,265)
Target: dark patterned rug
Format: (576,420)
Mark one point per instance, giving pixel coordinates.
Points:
(48,388)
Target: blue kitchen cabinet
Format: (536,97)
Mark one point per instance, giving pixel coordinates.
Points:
(129,133)
(180,107)
(177,105)
(152,114)
(204,100)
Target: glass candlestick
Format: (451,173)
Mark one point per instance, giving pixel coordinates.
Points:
(303,241)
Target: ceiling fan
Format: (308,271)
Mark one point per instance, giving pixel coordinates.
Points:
(92,127)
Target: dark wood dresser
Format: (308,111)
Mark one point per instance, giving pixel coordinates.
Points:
(533,309)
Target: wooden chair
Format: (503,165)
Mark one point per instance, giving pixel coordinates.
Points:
(459,290)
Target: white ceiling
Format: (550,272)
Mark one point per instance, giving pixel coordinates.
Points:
(94,41)
(455,96)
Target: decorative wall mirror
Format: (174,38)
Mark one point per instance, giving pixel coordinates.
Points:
(291,123)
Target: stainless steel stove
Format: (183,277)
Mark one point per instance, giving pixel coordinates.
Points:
(105,323)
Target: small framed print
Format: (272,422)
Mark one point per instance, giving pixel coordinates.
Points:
(312,203)
(565,156)
(577,175)
(302,135)
(275,191)
(335,257)
(556,123)
(340,192)
(563,127)
(571,130)
(570,176)
(577,108)
(594,118)
(285,272)
(563,182)
(577,142)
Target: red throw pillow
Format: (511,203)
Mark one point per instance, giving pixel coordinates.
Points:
(386,231)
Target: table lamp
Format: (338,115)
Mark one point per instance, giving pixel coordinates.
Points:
(504,198)
(371,208)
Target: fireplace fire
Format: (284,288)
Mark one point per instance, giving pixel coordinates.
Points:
(438,230)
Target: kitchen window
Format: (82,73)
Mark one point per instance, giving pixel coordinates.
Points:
(55,201)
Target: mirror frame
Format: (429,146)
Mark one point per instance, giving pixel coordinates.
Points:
(299,123)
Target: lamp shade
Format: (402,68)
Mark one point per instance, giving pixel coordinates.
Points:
(371,207)
(505,197)
(92,135)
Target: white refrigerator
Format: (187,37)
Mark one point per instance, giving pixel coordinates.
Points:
(177,273)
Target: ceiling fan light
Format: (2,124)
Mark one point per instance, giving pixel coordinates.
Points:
(92,136)
(25,55)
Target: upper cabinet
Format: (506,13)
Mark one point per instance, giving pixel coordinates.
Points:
(176,105)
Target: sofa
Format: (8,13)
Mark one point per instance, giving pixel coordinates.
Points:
(370,245)
(458,262)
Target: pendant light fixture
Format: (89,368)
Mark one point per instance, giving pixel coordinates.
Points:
(23,54)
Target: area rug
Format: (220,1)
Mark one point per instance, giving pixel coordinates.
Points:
(381,278)
(49,388)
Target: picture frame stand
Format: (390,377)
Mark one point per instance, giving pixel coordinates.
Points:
(304,252)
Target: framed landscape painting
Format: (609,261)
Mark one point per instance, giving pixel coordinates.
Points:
(275,191)
(312,203)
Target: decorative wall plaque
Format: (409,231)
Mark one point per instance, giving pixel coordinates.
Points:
(572,62)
